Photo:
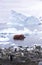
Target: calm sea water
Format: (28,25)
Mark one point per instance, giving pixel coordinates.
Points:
(6,40)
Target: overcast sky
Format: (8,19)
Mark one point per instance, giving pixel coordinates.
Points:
(26,7)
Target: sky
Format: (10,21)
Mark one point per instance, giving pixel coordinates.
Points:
(26,7)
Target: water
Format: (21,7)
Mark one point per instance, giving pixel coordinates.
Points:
(6,40)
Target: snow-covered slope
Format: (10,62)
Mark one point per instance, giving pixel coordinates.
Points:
(20,21)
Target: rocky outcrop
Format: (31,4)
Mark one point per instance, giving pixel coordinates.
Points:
(19,37)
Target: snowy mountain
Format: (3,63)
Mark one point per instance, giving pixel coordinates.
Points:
(20,21)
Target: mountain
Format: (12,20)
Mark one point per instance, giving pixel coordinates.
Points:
(19,21)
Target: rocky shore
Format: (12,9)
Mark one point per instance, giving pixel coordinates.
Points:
(21,55)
